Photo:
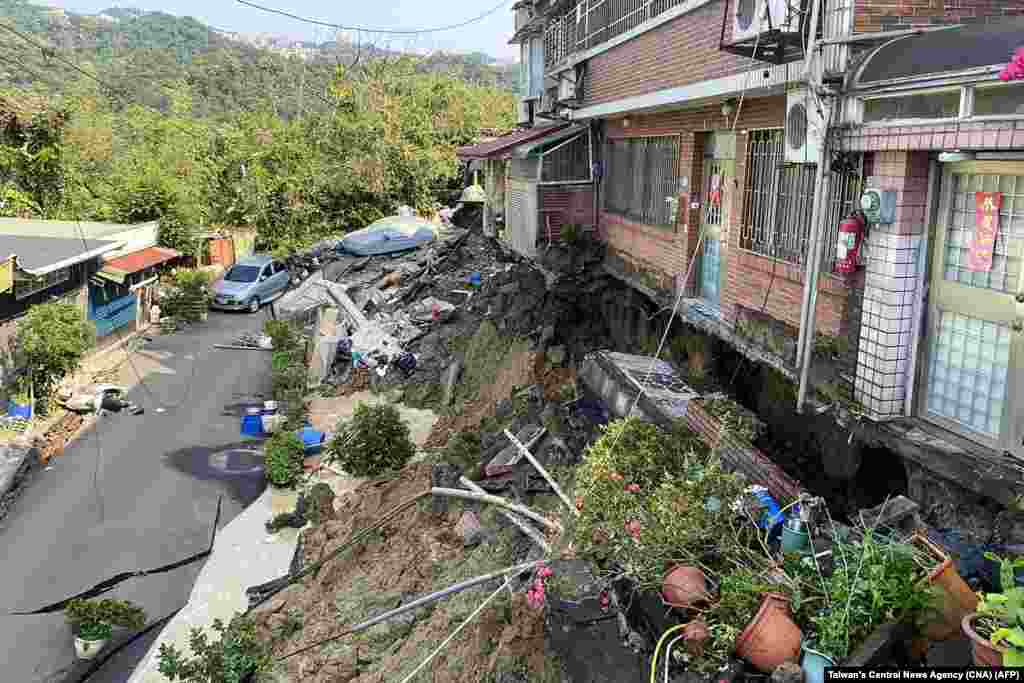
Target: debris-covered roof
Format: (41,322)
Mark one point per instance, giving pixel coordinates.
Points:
(501,146)
(943,52)
(42,255)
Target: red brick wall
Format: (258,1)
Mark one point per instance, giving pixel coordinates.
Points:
(889,15)
(907,174)
(679,52)
(666,252)
(565,204)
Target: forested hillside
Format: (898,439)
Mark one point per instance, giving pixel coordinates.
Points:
(158,117)
(138,52)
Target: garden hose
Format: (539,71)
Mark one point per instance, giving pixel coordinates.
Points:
(657,648)
(668,653)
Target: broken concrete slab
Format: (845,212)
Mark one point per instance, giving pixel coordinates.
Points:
(894,513)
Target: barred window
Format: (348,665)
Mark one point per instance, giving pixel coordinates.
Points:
(779,199)
(28,285)
(642,179)
(568,162)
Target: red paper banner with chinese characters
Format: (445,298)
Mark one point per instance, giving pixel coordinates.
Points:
(986,229)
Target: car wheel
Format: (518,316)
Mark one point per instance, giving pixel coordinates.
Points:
(254,304)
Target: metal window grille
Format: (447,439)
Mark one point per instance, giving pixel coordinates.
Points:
(642,177)
(587,23)
(779,200)
(569,162)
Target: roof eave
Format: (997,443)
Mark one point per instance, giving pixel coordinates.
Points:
(72,260)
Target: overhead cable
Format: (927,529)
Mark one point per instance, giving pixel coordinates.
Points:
(393,31)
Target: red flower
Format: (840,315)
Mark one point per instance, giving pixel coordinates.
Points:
(605,600)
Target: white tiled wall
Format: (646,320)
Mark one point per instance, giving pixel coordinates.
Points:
(890,302)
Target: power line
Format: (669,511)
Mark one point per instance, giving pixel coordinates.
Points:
(405,32)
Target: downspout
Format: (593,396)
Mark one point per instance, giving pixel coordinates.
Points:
(808,63)
(922,280)
(815,249)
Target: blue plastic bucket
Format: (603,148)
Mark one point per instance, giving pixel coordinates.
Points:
(312,440)
(252,423)
(19,410)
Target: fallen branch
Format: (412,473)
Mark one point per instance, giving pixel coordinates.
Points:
(497,500)
(528,530)
(540,468)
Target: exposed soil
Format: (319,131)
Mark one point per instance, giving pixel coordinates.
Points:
(417,554)
(58,436)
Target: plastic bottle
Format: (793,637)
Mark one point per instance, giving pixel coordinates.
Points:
(772,515)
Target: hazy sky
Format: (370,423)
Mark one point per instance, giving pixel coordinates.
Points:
(489,35)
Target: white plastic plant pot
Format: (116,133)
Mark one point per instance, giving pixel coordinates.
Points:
(88,649)
(282,500)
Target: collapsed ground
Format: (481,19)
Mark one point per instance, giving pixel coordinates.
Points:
(500,362)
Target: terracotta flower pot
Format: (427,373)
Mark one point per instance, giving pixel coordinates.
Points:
(983,652)
(695,634)
(958,601)
(772,637)
(684,586)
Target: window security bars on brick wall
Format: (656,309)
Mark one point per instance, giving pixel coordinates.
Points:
(779,200)
(587,23)
(569,162)
(642,176)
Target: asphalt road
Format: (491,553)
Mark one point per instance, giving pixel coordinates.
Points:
(135,492)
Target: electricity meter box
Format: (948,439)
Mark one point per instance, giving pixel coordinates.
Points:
(879,206)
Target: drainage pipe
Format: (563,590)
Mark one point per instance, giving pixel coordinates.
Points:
(921,301)
(808,75)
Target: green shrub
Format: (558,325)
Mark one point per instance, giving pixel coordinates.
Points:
(51,340)
(643,495)
(92,619)
(283,454)
(283,334)
(373,442)
(235,657)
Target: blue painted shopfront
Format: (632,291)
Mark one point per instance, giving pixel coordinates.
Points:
(111,308)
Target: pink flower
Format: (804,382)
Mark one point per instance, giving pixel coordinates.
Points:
(634,527)
(615,476)
(633,488)
(534,600)
(544,572)
(605,600)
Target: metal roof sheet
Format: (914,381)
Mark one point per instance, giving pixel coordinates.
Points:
(70,229)
(141,260)
(41,255)
(500,146)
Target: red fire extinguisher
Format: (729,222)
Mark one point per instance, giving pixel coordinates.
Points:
(851,237)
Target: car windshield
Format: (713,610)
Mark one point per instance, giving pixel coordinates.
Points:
(242,274)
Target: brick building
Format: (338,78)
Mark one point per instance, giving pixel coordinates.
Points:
(730,140)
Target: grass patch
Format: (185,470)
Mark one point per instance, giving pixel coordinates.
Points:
(484,355)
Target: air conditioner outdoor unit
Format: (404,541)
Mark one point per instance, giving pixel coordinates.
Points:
(567,86)
(547,102)
(524,113)
(805,127)
(755,17)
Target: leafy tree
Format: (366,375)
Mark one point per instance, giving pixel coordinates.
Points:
(376,440)
(52,339)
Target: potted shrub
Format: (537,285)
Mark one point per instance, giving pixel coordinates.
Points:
(283,454)
(752,621)
(996,630)
(93,622)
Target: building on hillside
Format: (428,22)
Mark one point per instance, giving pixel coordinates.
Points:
(731,140)
(110,270)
